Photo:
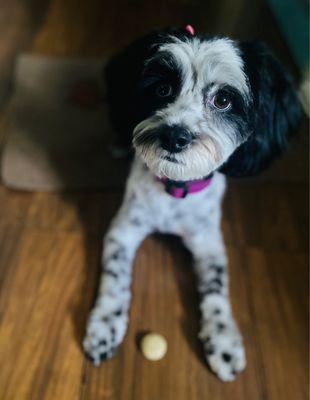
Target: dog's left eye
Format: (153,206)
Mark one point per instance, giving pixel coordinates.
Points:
(164,90)
(221,100)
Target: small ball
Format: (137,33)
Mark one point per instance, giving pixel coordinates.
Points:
(154,346)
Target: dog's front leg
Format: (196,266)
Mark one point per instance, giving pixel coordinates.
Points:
(219,333)
(108,320)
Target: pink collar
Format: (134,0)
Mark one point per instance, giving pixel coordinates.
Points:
(180,189)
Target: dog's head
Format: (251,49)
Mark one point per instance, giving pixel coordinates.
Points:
(193,104)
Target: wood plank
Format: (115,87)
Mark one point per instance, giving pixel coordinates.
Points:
(48,295)
(50,247)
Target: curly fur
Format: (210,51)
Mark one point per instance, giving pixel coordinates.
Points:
(186,136)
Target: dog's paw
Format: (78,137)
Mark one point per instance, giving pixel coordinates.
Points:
(104,335)
(223,348)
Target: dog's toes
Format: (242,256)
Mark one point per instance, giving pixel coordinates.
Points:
(103,336)
(226,364)
(224,351)
(97,352)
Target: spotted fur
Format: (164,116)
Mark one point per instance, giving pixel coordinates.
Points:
(147,202)
(184,135)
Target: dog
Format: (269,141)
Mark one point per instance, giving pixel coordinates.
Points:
(196,109)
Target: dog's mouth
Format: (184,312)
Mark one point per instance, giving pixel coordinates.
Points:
(193,162)
(171,158)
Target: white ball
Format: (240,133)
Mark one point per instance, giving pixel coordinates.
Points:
(154,346)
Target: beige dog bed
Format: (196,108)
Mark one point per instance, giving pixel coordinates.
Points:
(57,131)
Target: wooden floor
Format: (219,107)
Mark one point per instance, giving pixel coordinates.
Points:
(50,248)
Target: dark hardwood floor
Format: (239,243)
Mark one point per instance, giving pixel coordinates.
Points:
(50,245)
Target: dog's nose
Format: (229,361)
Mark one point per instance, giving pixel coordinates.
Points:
(174,138)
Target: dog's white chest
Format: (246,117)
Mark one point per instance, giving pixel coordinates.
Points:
(167,214)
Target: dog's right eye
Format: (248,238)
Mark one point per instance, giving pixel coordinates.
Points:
(163,90)
(222,100)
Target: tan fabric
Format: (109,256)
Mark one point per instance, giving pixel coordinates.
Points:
(52,142)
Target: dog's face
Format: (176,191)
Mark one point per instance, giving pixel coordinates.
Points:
(195,105)
(197,98)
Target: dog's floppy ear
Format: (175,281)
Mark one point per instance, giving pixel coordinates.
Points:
(276,112)
(121,75)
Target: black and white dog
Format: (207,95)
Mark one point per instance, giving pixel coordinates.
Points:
(196,109)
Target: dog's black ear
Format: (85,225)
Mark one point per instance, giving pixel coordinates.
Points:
(276,112)
(122,75)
